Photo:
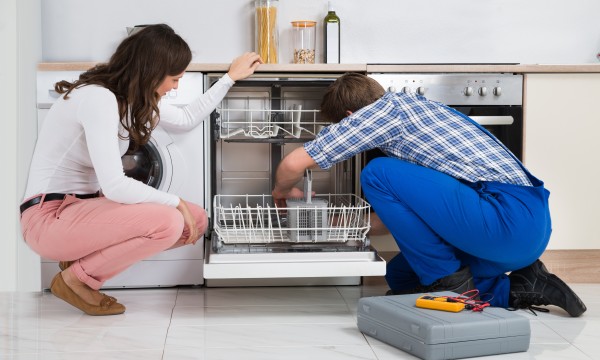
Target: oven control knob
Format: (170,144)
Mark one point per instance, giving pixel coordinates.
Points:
(497,91)
(420,90)
(406,90)
(482,91)
(392,89)
(468,91)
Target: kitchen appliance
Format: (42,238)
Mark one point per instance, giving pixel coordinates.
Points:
(495,101)
(173,162)
(318,240)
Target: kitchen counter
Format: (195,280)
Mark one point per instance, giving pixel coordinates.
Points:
(368,68)
(208,68)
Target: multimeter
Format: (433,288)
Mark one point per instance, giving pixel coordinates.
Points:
(439,303)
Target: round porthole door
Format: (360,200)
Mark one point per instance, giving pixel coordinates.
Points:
(150,163)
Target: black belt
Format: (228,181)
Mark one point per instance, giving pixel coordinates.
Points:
(53,196)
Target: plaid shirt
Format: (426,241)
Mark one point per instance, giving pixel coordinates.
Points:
(423,132)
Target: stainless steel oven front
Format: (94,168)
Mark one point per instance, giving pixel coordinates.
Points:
(494,100)
(262,119)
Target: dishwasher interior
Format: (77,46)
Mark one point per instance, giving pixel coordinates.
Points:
(260,121)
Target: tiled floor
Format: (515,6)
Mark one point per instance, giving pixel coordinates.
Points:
(246,324)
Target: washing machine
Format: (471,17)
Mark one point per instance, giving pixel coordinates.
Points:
(173,162)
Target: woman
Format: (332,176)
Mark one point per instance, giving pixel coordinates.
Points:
(78,156)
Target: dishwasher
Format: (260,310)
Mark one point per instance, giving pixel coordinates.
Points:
(320,239)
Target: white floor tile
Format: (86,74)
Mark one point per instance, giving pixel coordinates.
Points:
(295,314)
(260,296)
(265,335)
(86,355)
(246,323)
(73,339)
(272,353)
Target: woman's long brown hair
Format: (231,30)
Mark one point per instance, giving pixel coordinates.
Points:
(134,72)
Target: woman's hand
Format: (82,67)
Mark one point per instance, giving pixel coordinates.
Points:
(244,66)
(190,222)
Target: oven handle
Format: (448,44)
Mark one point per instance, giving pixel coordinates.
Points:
(493,120)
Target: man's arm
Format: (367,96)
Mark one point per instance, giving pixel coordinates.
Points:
(290,171)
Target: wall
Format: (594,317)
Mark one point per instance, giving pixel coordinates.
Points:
(8,100)
(20,36)
(376,31)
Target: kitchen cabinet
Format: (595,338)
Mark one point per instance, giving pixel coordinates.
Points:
(562,125)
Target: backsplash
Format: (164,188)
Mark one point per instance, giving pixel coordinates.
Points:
(376,31)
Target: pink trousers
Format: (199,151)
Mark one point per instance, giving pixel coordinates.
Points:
(103,236)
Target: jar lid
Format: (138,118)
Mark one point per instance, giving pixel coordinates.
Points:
(304,23)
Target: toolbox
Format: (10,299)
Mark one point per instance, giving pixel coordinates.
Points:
(439,335)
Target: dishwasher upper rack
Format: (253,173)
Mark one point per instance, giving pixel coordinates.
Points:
(253,219)
(292,123)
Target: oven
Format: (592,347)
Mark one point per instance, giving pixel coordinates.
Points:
(313,241)
(495,101)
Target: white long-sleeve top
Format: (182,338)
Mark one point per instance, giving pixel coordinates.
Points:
(79,150)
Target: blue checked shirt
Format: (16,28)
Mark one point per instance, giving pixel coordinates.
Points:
(423,132)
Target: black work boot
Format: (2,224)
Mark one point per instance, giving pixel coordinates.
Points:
(458,282)
(534,285)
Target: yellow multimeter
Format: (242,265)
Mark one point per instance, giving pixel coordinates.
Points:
(439,303)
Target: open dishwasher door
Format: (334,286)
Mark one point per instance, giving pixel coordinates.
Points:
(321,241)
(316,241)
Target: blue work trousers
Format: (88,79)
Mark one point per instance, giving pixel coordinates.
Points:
(442,224)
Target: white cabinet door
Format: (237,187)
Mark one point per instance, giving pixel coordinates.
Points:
(562,147)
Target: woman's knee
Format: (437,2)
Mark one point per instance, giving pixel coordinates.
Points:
(200,216)
(167,223)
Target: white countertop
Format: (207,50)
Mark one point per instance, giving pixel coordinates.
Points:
(367,68)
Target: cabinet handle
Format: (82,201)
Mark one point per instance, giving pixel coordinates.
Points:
(493,120)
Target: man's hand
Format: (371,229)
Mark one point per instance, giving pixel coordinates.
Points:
(280,197)
(377,226)
(290,171)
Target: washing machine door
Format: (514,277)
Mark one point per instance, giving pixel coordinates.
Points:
(151,163)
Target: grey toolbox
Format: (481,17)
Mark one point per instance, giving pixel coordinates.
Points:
(439,335)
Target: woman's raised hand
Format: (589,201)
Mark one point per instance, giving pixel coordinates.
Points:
(244,66)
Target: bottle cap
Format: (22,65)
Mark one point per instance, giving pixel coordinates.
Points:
(329,6)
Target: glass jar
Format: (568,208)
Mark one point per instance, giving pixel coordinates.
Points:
(267,35)
(304,34)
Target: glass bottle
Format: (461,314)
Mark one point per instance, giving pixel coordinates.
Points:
(331,31)
(267,35)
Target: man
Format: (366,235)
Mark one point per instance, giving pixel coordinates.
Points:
(462,208)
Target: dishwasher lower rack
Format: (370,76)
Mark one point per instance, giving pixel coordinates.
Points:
(253,219)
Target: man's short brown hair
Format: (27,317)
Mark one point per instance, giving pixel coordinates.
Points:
(350,92)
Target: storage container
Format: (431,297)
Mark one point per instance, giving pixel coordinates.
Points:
(267,35)
(304,39)
(440,335)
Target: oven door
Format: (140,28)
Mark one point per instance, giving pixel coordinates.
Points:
(504,122)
